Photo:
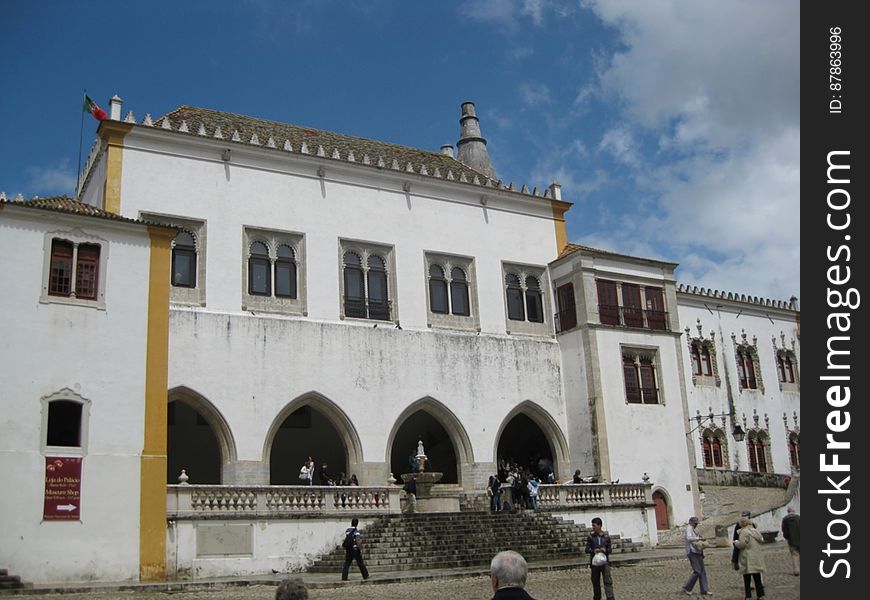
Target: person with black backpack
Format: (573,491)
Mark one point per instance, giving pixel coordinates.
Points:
(353,545)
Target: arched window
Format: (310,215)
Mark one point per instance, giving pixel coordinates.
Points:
(785,367)
(756,443)
(184,260)
(366,291)
(378,298)
(632,380)
(794,450)
(713,445)
(534,303)
(516,312)
(259,270)
(437,290)
(746,368)
(459,304)
(354,288)
(641,382)
(285,272)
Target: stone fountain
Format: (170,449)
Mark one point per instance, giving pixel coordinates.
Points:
(428,499)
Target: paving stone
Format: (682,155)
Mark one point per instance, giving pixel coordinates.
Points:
(645,575)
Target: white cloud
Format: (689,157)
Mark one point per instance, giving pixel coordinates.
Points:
(717,85)
(620,143)
(51,180)
(534,94)
(534,9)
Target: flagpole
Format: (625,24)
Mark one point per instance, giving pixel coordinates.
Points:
(81,136)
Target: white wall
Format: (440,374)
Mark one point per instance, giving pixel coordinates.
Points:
(100,356)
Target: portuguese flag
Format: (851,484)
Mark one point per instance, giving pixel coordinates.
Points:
(91,107)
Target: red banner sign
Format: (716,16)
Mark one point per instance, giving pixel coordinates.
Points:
(63,487)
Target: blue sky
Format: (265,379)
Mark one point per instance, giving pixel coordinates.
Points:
(673,125)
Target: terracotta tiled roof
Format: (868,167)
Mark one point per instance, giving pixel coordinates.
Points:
(65,204)
(208,123)
(247,127)
(572,248)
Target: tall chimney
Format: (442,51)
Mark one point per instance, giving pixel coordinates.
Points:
(471,147)
(115,108)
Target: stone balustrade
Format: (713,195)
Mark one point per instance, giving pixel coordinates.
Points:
(593,494)
(276,501)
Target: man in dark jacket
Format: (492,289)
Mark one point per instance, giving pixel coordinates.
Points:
(507,573)
(598,542)
(791,531)
(354,552)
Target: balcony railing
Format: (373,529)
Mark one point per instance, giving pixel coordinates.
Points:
(230,501)
(363,308)
(631,316)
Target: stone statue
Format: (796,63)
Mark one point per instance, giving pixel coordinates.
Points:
(420,448)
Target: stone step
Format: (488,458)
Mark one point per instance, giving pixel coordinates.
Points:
(455,540)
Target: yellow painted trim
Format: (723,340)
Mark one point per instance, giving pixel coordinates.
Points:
(113,133)
(152,495)
(559,224)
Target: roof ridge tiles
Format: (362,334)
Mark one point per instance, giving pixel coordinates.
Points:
(334,145)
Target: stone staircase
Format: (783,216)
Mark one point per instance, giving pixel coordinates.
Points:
(10,582)
(465,539)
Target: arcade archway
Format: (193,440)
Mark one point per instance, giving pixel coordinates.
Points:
(198,439)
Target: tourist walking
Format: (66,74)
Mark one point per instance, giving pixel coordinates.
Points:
(695,552)
(598,547)
(791,531)
(735,552)
(353,546)
(507,574)
(750,557)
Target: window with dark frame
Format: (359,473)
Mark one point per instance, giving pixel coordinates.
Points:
(516,311)
(78,263)
(785,367)
(459,304)
(60,277)
(366,291)
(64,424)
(640,379)
(437,290)
(794,450)
(632,380)
(378,299)
(608,304)
(354,288)
(655,309)
(632,311)
(757,453)
(184,260)
(566,315)
(259,270)
(746,369)
(285,272)
(534,300)
(702,363)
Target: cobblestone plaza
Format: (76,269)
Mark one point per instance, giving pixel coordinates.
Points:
(648,579)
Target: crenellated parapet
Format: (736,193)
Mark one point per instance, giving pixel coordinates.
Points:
(790,304)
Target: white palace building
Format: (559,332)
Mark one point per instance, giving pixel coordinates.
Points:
(230,295)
